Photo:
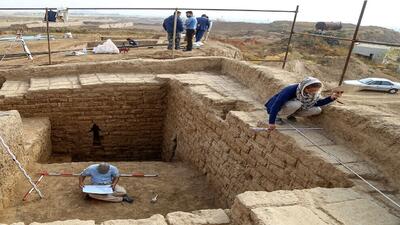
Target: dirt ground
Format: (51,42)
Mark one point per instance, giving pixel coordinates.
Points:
(180,188)
(379,105)
(79,42)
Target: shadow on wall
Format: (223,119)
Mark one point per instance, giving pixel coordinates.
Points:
(2,80)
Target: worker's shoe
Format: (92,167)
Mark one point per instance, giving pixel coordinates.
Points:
(292,119)
(127,199)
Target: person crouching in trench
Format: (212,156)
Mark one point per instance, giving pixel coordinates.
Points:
(105,174)
(302,99)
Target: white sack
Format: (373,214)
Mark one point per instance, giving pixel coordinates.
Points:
(107,47)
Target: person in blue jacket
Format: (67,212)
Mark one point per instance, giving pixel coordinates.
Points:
(190,25)
(168,26)
(203,24)
(301,99)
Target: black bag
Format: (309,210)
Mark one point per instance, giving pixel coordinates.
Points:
(132,42)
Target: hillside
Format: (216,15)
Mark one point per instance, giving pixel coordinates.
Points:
(309,55)
(372,33)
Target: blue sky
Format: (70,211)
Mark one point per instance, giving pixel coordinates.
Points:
(378,12)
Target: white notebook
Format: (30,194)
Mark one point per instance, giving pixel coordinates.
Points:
(97,189)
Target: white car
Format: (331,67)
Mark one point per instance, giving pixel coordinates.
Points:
(375,84)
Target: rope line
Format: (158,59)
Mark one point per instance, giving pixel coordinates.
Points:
(7,49)
(344,165)
(5,146)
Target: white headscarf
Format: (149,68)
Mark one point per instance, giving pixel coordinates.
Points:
(308,100)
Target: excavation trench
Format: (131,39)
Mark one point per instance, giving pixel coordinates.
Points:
(193,129)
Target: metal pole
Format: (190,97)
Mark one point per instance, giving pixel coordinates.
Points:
(379,43)
(287,128)
(349,39)
(193,9)
(352,43)
(64,174)
(174,35)
(264,60)
(323,36)
(5,146)
(24,9)
(48,35)
(290,37)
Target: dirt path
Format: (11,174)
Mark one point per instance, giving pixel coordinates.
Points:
(180,188)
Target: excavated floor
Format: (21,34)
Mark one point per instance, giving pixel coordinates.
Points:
(180,188)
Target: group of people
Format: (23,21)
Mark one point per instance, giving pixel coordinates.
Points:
(194,27)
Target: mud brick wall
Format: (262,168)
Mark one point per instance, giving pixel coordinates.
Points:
(130,117)
(263,81)
(12,133)
(148,66)
(375,139)
(234,158)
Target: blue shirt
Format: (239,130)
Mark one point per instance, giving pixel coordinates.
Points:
(99,178)
(191,23)
(275,103)
(168,24)
(203,23)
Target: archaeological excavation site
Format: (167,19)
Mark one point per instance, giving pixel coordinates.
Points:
(189,124)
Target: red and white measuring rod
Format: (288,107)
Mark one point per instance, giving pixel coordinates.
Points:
(30,190)
(66,174)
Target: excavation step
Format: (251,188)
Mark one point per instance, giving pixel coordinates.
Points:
(14,88)
(37,135)
(62,82)
(337,206)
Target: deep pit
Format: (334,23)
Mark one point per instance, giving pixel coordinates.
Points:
(189,123)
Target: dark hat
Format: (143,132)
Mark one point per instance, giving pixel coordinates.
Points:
(191,12)
(103,168)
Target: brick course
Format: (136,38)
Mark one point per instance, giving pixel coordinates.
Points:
(130,117)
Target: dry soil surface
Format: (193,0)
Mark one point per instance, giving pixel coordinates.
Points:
(180,188)
(212,48)
(378,105)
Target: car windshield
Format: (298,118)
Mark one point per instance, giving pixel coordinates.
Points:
(365,81)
